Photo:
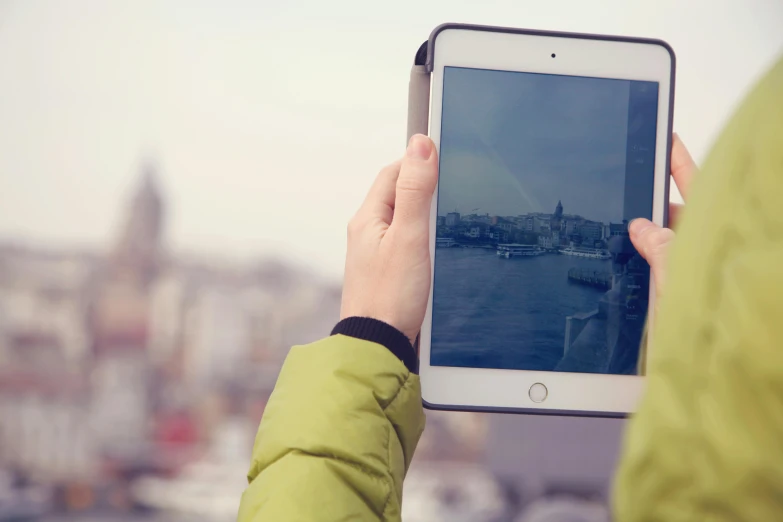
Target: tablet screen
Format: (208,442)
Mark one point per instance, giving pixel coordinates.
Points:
(539,176)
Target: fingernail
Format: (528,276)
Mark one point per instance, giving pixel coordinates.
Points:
(639,225)
(419,147)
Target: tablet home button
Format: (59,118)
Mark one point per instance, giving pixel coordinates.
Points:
(538,392)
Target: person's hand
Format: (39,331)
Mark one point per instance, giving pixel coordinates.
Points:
(652,241)
(387,268)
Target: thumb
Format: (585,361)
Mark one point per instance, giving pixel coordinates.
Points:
(416,185)
(652,242)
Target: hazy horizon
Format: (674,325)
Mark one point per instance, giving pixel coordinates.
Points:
(268,125)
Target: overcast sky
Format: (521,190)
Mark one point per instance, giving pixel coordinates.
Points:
(514,143)
(269,120)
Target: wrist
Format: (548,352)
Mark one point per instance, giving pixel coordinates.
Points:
(379,332)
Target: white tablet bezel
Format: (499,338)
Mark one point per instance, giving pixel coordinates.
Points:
(482,389)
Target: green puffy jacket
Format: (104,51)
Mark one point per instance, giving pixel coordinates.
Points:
(707,442)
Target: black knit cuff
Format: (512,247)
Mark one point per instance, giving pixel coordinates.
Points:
(378,332)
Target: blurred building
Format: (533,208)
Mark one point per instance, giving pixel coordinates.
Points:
(44,346)
(452,219)
(591,231)
(120,322)
(616,229)
(138,362)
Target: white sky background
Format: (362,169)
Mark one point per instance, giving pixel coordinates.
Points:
(269,121)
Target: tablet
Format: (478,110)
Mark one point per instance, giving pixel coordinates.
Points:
(550,144)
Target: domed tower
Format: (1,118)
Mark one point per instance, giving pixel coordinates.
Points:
(557,218)
(120,303)
(120,324)
(136,255)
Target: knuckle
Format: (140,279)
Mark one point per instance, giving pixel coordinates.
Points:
(418,180)
(411,185)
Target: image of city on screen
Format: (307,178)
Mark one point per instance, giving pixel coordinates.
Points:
(539,177)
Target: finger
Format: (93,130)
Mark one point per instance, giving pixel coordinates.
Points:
(675,210)
(379,202)
(652,242)
(416,185)
(683,167)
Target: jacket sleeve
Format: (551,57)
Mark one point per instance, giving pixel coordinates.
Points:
(707,441)
(337,436)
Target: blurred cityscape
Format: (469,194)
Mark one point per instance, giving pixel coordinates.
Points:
(132,381)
